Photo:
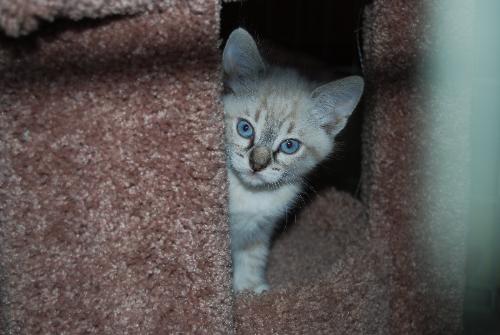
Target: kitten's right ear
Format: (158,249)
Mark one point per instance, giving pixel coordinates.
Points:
(241,60)
(336,101)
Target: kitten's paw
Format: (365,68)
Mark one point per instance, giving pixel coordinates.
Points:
(261,288)
(256,288)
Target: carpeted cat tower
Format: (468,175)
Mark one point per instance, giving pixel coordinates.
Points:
(113,195)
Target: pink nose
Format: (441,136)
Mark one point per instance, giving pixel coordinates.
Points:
(259,158)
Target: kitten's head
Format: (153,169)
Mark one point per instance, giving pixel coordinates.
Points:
(278,125)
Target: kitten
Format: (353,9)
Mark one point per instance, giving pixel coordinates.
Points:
(278,127)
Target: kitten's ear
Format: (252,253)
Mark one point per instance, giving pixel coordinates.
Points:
(335,101)
(241,60)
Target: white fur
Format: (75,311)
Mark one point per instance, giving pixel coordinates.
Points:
(253,215)
(280,105)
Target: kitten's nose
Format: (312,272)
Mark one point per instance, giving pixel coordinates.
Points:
(259,158)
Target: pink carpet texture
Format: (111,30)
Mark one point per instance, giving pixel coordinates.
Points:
(113,192)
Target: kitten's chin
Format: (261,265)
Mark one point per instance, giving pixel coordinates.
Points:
(252,179)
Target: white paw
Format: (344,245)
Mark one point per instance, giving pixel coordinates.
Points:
(255,287)
(261,288)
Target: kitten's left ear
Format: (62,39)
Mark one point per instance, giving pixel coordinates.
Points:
(241,60)
(335,102)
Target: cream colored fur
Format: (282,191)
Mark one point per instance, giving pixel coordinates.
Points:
(279,104)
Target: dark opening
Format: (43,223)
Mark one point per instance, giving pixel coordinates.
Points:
(321,40)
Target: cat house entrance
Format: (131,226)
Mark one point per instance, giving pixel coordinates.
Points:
(320,39)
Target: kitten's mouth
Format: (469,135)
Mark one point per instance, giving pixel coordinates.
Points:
(255,175)
(252,178)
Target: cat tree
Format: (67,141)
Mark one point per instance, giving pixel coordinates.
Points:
(112,189)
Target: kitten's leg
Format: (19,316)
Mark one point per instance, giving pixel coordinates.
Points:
(249,267)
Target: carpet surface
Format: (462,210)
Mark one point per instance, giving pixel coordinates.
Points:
(112,177)
(413,183)
(113,195)
(323,276)
(21,17)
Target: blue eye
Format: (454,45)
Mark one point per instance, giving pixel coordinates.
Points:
(289,146)
(244,128)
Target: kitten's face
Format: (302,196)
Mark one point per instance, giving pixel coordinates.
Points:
(278,126)
(272,137)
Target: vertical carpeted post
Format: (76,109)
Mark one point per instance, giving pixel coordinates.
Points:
(112,189)
(417,221)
